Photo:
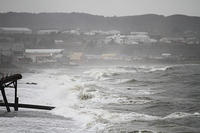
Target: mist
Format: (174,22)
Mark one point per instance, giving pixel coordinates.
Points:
(100,66)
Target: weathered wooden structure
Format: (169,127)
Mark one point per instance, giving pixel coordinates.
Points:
(11,82)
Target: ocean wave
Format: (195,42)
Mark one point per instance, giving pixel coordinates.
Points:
(103,74)
(100,74)
(130,81)
(145,68)
(181,67)
(178,115)
(133,116)
(155,68)
(139,82)
(106,73)
(82,100)
(105,117)
(134,101)
(76,100)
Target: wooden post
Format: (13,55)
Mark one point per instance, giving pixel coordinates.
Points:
(12,80)
(5,99)
(16,98)
(30,106)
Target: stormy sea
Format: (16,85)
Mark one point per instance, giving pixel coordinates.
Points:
(131,98)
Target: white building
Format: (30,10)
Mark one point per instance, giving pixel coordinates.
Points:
(165,40)
(15,30)
(139,33)
(58,41)
(100,32)
(113,32)
(43,55)
(139,38)
(73,32)
(43,32)
(116,38)
(130,39)
(173,39)
(166,55)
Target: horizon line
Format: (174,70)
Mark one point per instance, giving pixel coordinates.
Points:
(1,12)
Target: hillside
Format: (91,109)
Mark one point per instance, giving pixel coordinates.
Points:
(155,24)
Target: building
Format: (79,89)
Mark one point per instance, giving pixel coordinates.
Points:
(44,55)
(166,55)
(139,33)
(15,30)
(6,54)
(115,38)
(172,40)
(18,49)
(58,41)
(100,32)
(109,56)
(141,38)
(6,48)
(72,32)
(77,57)
(130,39)
(44,32)
(10,52)
(165,40)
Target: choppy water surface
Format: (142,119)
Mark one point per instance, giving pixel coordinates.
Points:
(125,98)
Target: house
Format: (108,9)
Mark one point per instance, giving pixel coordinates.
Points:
(100,32)
(18,49)
(172,40)
(59,43)
(130,39)
(115,38)
(15,30)
(140,38)
(6,54)
(166,55)
(112,32)
(139,33)
(44,32)
(77,57)
(44,55)
(165,40)
(72,32)
(10,52)
(109,56)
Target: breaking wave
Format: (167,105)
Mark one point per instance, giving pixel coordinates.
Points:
(83,97)
(131,81)
(146,68)
(80,101)
(105,73)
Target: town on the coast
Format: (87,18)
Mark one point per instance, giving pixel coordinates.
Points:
(21,45)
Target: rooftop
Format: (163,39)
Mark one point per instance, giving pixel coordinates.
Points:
(14,29)
(38,51)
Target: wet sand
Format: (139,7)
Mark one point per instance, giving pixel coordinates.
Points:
(33,121)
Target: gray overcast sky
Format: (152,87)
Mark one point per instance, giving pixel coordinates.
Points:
(104,7)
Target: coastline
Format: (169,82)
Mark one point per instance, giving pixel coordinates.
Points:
(34,121)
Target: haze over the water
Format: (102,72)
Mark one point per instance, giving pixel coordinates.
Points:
(104,7)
